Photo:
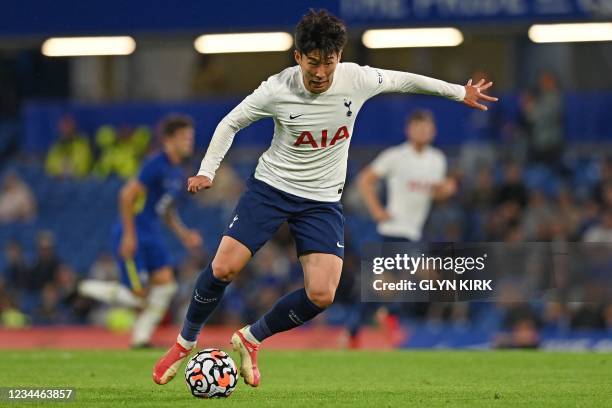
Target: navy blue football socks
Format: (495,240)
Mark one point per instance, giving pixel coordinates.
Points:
(290,311)
(207,294)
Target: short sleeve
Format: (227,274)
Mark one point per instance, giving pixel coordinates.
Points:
(382,165)
(149,173)
(442,168)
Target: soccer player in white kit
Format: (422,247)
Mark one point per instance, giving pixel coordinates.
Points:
(299,179)
(415,175)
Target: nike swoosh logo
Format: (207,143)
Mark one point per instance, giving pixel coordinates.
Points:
(339,246)
(296,116)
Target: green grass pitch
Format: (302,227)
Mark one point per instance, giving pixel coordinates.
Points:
(330,378)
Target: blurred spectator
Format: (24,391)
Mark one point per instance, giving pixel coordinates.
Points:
(521,323)
(64,280)
(604,196)
(53,308)
(602,192)
(477,150)
(16,268)
(120,153)
(482,195)
(105,139)
(17,202)
(537,218)
(477,199)
(512,188)
(10,316)
(140,140)
(47,263)
(104,268)
(544,113)
(71,155)
(47,311)
(510,199)
(591,314)
(73,309)
(568,214)
(601,232)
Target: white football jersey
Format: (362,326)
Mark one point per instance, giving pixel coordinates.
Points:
(312,132)
(409,176)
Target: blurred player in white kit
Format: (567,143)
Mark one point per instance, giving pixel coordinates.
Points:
(415,175)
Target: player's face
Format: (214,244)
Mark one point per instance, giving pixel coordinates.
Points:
(421,132)
(183,141)
(317,69)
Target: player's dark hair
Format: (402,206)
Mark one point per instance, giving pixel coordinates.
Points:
(171,123)
(320,30)
(420,115)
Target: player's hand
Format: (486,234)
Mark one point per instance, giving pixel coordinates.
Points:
(474,94)
(127,246)
(192,239)
(446,189)
(197,183)
(381,215)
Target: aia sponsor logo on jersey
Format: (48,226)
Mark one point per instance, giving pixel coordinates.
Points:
(307,138)
(420,186)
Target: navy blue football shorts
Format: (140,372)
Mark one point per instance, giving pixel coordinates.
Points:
(316,226)
(151,255)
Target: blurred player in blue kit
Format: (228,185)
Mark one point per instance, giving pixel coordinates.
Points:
(147,279)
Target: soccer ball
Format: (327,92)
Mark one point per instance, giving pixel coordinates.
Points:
(211,373)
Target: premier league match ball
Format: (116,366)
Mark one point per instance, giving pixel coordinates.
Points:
(211,373)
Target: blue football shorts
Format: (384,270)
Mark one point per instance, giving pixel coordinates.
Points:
(151,255)
(316,226)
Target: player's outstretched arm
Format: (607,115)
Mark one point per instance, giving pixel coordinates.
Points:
(474,94)
(127,199)
(445,189)
(367,180)
(385,81)
(191,239)
(197,183)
